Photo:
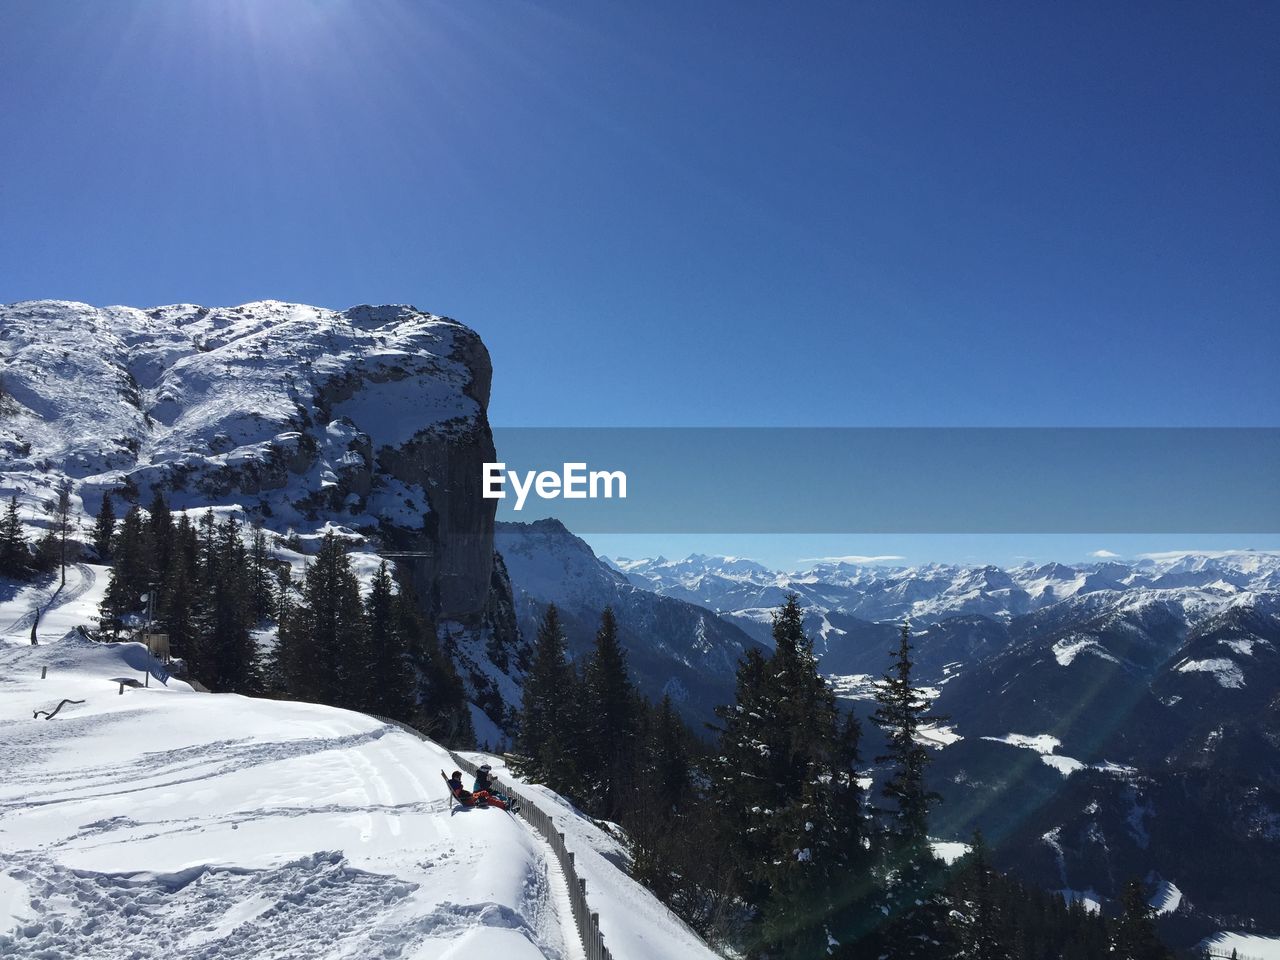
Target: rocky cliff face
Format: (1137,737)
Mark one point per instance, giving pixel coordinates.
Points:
(371,421)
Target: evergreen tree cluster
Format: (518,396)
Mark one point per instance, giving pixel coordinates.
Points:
(586,732)
(767,843)
(580,731)
(20,559)
(375,654)
(210,586)
(192,581)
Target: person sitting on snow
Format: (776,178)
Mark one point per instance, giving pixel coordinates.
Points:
(460,793)
(485,783)
(473,798)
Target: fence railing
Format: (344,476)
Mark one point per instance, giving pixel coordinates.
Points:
(588,922)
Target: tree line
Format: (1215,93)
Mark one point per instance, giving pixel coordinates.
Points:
(766,838)
(216,589)
(22,559)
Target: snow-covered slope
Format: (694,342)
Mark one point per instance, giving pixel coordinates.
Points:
(163,822)
(166,823)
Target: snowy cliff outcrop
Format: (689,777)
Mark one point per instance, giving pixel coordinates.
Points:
(371,419)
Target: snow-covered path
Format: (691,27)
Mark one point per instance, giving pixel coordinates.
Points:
(46,597)
(165,823)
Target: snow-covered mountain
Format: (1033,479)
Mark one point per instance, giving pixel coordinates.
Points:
(370,418)
(673,647)
(369,421)
(746,592)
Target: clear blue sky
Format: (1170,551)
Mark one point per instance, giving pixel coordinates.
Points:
(688,213)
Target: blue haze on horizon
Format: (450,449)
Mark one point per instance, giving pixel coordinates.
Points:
(829,214)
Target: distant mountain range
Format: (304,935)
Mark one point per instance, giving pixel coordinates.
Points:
(1098,715)
(842,598)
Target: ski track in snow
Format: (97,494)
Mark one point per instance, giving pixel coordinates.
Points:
(305,906)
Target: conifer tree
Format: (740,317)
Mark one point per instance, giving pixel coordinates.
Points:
(818,852)
(902,710)
(179,615)
(276,668)
(669,755)
(609,720)
(549,709)
(1135,933)
(186,547)
(261,585)
(290,661)
(129,575)
(206,546)
(331,629)
(984,935)
(744,773)
(232,652)
(390,691)
(15,553)
(654,816)
(793,807)
(159,534)
(58,545)
(911,872)
(104,528)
